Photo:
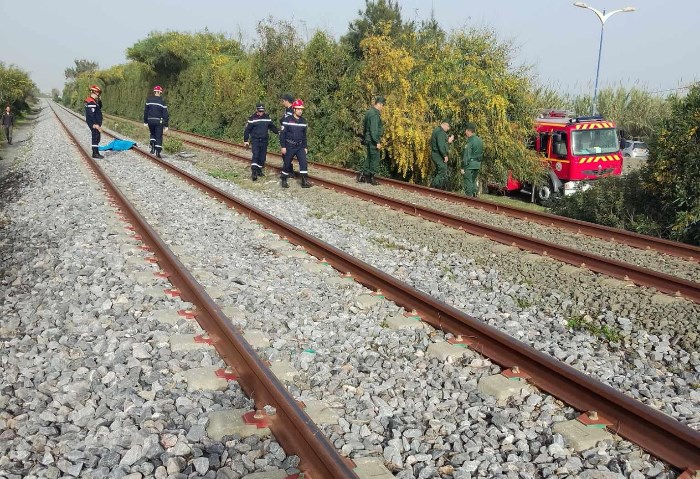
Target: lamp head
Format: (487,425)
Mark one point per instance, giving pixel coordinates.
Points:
(629,9)
(580,4)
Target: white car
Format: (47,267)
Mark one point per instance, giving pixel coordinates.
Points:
(635,149)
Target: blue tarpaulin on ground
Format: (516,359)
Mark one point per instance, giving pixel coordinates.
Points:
(117,145)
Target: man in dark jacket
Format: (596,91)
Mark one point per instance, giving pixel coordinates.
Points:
(8,122)
(93,118)
(439,142)
(293,142)
(373,129)
(471,160)
(259,124)
(286,100)
(155,116)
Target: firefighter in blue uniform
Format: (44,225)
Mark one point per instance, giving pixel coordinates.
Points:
(155,117)
(93,118)
(257,129)
(286,99)
(293,143)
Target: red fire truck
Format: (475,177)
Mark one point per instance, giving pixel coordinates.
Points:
(578,149)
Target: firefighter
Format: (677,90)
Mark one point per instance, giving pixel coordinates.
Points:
(257,129)
(93,118)
(471,159)
(293,143)
(286,100)
(439,142)
(155,117)
(8,122)
(371,136)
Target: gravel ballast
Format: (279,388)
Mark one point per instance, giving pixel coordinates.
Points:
(356,363)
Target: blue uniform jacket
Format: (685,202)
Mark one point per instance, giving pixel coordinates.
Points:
(294,132)
(93,112)
(155,109)
(258,127)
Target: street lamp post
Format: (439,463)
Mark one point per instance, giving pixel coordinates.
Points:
(603,17)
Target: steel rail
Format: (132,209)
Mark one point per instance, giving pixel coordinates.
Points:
(628,238)
(655,432)
(291,426)
(624,271)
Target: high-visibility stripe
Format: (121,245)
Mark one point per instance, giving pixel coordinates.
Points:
(303,172)
(258,121)
(294,124)
(157,104)
(255,164)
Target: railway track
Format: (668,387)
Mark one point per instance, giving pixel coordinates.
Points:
(653,431)
(663,282)
(674,248)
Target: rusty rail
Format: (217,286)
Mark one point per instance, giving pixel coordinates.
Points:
(600,264)
(628,238)
(657,433)
(291,426)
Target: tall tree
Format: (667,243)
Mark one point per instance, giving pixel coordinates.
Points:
(373,21)
(81,66)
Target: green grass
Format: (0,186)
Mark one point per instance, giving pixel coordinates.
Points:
(579,323)
(388,244)
(523,303)
(223,174)
(520,201)
(172,145)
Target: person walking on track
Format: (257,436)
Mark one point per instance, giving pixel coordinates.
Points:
(439,142)
(8,122)
(286,100)
(471,160)
(373,129)
(93,118)
(259,124)
(155,117)
(293,142)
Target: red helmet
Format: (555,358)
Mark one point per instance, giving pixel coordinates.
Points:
(297,104)
(96,89)
(158,88)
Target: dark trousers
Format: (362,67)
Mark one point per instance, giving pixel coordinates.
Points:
(440,178)
(470,176)
(156,128)
(300,154)
(371,165)
(8,133)
(259,147)
(96,135)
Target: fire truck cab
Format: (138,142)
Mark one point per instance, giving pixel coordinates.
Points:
(578,150)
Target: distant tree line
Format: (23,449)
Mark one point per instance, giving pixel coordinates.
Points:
(16,88)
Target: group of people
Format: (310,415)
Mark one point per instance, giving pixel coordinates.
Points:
(293,140)
(472,156)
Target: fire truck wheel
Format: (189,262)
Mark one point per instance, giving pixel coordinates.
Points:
(545,192)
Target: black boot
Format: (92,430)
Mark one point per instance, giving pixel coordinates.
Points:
(372,181)
(305,181)
(254,170)
(361,177)
(96,153)
(158,153)
(284,182)
(260,171)
(153,147)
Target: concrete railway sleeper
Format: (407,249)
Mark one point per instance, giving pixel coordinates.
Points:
(647,427)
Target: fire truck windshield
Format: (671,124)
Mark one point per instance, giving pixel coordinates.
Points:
(591,142)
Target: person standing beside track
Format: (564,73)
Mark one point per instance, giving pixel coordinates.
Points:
(293,142)
(471,160)
(257,129)
(439,142)
(373,129)
(155,117)
(8,121)
(93,118)
(286,100)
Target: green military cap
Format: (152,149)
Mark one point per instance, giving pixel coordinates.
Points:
(446,120)
(470,126)
(380,99)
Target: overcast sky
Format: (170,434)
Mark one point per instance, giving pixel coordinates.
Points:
(655,47)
